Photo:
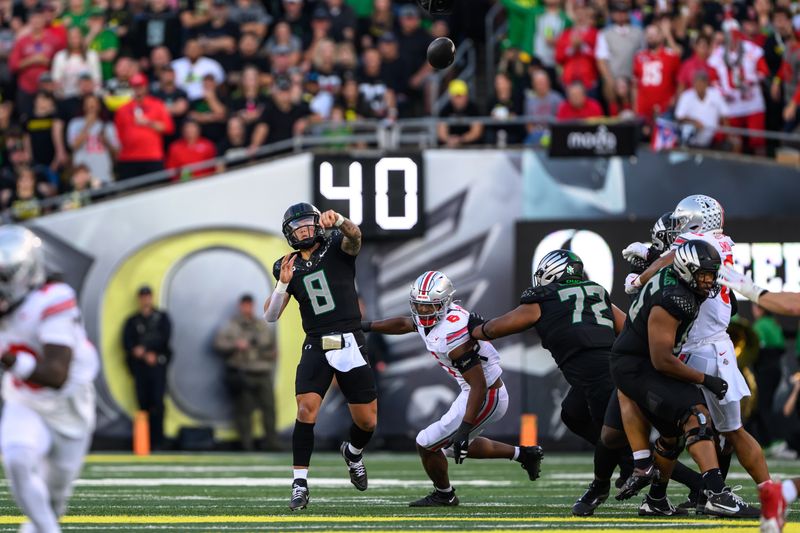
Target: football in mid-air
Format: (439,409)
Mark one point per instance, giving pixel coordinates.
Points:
(441,53)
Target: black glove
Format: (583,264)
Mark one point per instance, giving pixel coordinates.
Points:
(461,442)
(366,326)
(716,385)
(475,320)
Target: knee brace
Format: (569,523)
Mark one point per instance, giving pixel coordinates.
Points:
(669,450)
(704,431)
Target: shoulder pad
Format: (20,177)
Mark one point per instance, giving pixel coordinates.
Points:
(56,298)
(533,295)
(680,302)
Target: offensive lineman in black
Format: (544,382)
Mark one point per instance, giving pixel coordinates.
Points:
(321,277)
(646,370)
(577,322)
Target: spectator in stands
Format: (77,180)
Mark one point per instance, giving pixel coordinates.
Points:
(343,20)
(740,67)
(190,149)
(235,146)
(249,101)
(504,106)
(282,119)
(81,185)
(698,61)
(31,57)
(768,371)
(102,40)
(251,17)
(283,62)
(209,111)
(551,21)
(413,41)
(617,45)
(218,36)
(249,347)
(352,102)
(249,55)
(46,140)
(323,65)
(541,101)
(320,32)
(160,59)
(522,25)
(372,86)
(193,67)
(701,110)
(392,65)
(789,70)
(69,64)
(118,90)
(159,25)
(459,106)
(141,125)
(24,201)
(93,140)
(297,19)
(781,47)
(575,50)
(380,21)
(120,20)
(76,15)
(578,105)
(175,99)
(282,35)
(146,339)
(655,71)
(194,16)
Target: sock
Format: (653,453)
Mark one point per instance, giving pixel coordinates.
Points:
(789,491)
(713,481)
(658,490)
(353,451)
(358,437)
(300,474)
(516,453)
(29,487)
(725,464)
(302,443)
(686,476)
(642,459)
(448,489)
(605,461)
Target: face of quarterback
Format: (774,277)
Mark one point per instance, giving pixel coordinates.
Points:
(303,228)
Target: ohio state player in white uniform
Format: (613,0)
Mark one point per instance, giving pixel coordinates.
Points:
(708,347)
(48,393)
(475,365)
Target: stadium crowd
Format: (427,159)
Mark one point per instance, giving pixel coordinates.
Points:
(96,91)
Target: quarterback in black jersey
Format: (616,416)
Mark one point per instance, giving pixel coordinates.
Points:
(577,322)
(320,275)
(646,370)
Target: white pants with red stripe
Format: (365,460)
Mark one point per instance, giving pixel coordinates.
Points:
(439,435)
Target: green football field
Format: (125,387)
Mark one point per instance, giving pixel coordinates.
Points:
(229,492)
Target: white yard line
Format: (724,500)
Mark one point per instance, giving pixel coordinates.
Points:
(266,482)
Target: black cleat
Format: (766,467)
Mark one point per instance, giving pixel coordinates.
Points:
(728,504)
(638,480)
(662,507)
(595,495)
(437,498)
(624,473)
(358,472)
(299,495)
(530,457)
(695,502)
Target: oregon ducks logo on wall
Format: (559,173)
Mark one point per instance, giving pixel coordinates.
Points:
(197,277)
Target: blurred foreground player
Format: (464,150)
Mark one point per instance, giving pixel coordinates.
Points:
(476,367)
(48,392)
(321,277)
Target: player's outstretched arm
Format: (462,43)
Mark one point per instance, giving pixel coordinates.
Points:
(657,265)
(515,321)
(781,303)
(619,318)
(351,244)
(390,326)
(276,303)
(49,371)
(466,359)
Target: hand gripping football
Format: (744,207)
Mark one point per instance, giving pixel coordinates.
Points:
(441,53)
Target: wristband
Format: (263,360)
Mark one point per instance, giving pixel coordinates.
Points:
(24,366)
(339,221)
(483,332)
(366,326)
(281,287)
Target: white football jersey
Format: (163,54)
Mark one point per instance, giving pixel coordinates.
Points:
(452,332)
(50,315)
(715,313)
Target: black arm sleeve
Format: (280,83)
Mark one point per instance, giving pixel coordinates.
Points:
(734,304)
(467,361)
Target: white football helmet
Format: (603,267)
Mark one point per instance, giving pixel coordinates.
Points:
(697,213)
(21,265)
(432,289)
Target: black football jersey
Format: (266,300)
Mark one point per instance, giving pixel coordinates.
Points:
(664,290)
(575,317)
(324,287)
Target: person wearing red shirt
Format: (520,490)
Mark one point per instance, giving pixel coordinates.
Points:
(656,72)
(31,57)
(578,106)
(575,50)
(191,148)
(699,61)
(141,125)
